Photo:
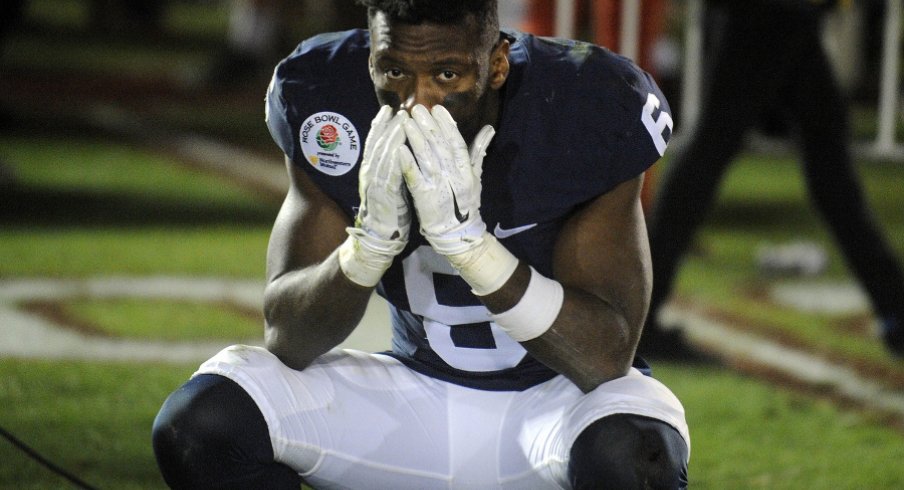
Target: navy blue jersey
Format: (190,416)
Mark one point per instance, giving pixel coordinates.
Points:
(577,120)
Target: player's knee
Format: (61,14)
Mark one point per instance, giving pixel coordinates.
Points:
(627,451)
(208,428)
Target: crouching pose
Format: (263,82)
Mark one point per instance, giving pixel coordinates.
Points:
(487,185)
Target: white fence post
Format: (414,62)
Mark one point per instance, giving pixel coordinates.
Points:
(693,67)
(564,23)
(888,90)
(629,36)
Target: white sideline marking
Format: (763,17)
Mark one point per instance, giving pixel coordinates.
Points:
(30,336)
(797,364)
(845,298)
(247,166)
(220,157)
(23,334)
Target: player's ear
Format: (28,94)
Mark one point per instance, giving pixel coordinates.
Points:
(499,64)
(370,66)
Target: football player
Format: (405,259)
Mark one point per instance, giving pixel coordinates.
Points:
(486,184)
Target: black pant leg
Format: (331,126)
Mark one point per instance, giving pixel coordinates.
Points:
(820,112)
(744,76)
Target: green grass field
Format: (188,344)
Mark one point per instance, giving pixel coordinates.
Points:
(89,203)
(747,433)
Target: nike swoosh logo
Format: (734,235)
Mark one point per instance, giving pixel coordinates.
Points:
(460,217)
(501,232)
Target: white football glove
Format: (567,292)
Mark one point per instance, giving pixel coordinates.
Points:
(444,181)
(383,221)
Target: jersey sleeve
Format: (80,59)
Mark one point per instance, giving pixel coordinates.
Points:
(578,120)
(319,105)
(326,73)
(629,123)
(276,115)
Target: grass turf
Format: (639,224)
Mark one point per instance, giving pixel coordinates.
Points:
(86,206)
(764,201)
(746,433)
(166,320)
(93,419)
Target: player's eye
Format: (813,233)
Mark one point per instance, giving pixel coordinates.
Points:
(393,73)
(447,76)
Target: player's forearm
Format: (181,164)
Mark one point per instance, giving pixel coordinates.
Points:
(310,311)
(590,341)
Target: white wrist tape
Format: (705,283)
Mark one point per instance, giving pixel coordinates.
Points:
(486,266)
(361,262)
(536,311)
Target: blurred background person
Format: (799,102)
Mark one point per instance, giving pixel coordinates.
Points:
(11,12)
(766,59)
(10,16)
(133,17)
(259,34)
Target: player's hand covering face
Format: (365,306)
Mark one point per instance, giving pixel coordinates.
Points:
(383,212)
(444,179)
(383,220)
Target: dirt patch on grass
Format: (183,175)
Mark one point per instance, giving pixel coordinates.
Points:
(57,313)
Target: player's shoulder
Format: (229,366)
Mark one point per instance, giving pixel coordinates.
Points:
(325,66)
(333,55)
(589,72)
(599,107)
(323,85)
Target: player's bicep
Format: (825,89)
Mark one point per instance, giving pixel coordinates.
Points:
(603,250)
(308,228)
